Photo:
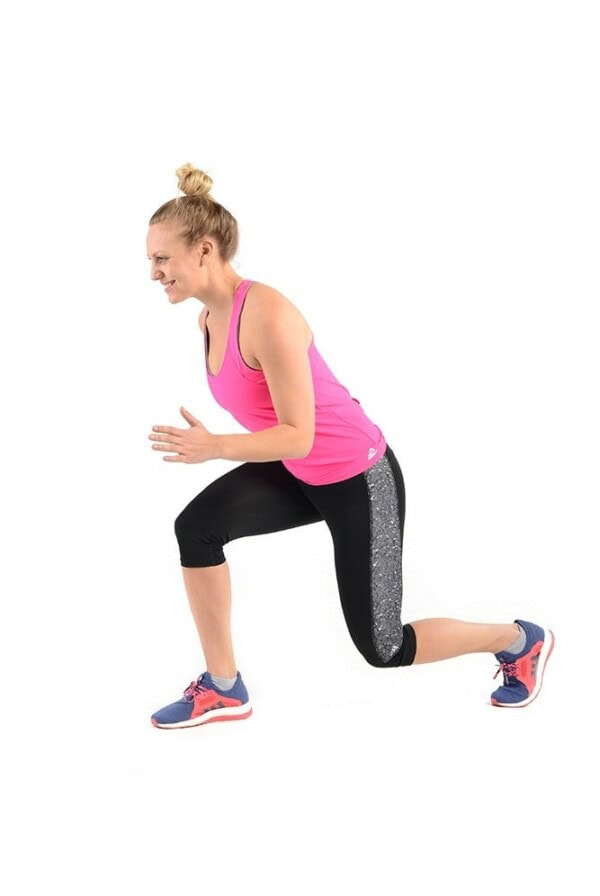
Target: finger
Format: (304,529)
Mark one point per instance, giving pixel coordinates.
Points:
(176,440)
(190,419)
(166,446)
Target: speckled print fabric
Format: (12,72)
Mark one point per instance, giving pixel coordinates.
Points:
(386,559)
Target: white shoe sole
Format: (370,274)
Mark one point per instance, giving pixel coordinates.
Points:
(225,714)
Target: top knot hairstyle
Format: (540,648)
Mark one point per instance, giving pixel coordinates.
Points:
(197,214)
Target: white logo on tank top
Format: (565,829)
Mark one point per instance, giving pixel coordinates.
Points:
(372,453)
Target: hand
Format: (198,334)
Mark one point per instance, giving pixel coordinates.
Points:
(192,446)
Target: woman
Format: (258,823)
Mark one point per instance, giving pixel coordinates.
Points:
(311,454)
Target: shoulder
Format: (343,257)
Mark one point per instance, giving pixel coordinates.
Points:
(267,310)
(202,319)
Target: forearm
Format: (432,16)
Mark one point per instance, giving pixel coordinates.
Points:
(275,443)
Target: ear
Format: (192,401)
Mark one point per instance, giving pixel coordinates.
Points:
(204,248)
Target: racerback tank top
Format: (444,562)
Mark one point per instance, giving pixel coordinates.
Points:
(346,441)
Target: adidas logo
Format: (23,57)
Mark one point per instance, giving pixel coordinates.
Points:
(372,453)
(218,705)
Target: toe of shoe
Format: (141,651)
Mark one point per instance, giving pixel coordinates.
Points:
(512,696)
(171,714)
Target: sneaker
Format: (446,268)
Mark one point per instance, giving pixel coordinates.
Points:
(523,672)
(204,702)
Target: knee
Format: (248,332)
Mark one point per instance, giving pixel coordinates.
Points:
(184,521)
(199,543)
(403,655)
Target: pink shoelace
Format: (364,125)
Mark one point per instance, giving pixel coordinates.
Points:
(194,687)
(506,669)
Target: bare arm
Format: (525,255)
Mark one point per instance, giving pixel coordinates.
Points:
(280,346)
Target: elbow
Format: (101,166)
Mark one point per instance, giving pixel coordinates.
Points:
(305,446)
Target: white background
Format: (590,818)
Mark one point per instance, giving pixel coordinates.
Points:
(421,180)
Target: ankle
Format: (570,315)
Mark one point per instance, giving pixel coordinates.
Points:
(222,672)
(507,638)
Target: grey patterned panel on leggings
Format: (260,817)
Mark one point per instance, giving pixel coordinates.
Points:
(386,559)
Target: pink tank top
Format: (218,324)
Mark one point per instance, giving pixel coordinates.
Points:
(346,441)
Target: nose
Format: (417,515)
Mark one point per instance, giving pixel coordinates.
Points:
(155,273)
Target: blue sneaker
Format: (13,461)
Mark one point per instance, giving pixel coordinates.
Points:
(204,702)
(523,672)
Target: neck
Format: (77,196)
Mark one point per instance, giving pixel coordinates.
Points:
(218,293)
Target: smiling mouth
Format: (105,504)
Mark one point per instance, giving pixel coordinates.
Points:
(168,287)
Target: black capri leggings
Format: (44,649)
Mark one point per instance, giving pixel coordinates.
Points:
(365,515)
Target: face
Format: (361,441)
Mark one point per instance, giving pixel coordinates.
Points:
(174,263)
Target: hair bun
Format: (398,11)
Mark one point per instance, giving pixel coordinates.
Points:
(192,181)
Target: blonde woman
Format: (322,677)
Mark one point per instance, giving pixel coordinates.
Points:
(311,454)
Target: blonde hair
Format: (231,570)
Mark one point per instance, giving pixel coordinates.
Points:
(197,214)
